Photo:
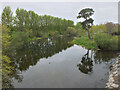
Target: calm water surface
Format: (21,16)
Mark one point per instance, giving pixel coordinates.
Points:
(57,63)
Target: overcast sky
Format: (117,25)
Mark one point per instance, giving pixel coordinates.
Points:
(104,11)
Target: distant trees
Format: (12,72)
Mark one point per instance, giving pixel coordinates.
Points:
(108,28)
(88,22)
(71,31)
(27,25)
(25,21)
(111,28)
(79,30)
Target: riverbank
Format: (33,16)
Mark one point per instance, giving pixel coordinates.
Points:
(85,42)
(100,41)
(114,76)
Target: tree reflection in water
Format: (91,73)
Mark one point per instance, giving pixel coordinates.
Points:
(107,57)
(86,64)
(104,56)
(31,53)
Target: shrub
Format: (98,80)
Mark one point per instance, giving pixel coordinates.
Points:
(106,42)
(114,43)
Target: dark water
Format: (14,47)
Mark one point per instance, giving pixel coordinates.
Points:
(57,63)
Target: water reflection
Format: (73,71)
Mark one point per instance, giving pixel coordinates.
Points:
(104,56)
(86,64)
(31,53)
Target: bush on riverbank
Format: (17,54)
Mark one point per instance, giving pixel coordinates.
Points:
(106,42)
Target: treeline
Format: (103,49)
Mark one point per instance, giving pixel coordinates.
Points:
(37,25)
(26,26)
(108,28)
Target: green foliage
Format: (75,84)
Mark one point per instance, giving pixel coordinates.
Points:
(79,30)
(114,43)
(5,38)
(85,42)
(106,42)
(54,34)
(7,17)
(18,39)
(86,13)
(6,66)
(88,22)
(98,29)
(80,33)
(7,70)
(111,28)
(27,26)
(78,26)
(71,31)
(40,25)
(102,40)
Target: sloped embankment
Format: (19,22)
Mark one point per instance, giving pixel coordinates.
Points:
(114,76)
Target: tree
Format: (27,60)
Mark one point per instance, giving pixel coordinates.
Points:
(88,22)
(71,31)
(110,28)
(20,19)
(7,16)
(5,39)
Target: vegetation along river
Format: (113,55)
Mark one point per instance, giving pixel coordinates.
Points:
(44,51)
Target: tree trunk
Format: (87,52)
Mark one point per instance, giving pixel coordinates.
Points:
(91,33)
(88,34)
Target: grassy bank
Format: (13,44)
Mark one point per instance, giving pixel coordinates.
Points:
(85,42)
(100,41)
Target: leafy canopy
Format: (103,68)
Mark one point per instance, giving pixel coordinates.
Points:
(7,16)
(86,14)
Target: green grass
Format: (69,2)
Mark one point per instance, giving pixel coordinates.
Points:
(85,42)
(100,41)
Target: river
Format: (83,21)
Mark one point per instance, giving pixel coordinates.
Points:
(58,63)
